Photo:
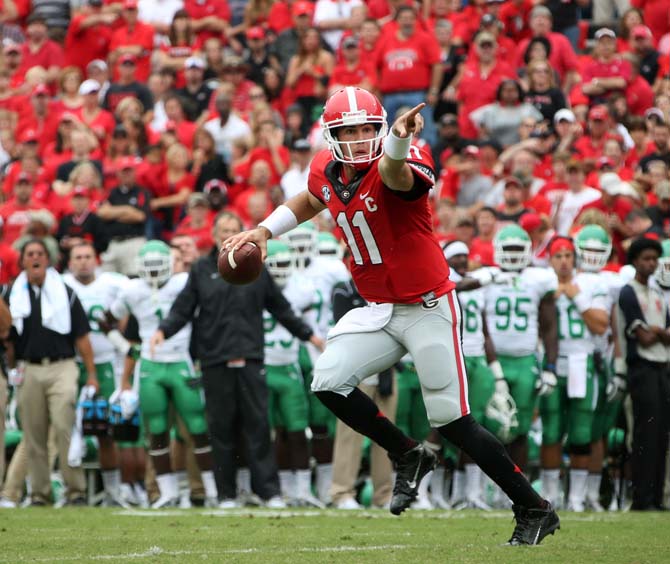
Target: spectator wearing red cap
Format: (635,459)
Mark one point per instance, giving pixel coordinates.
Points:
(641,43)
(478,82)
(15,213)
(541,234)
(81,225)
(590,146)
(562,56)
(608,72)
(352,70)
(38,117)
(14,64)
(258,56)
(125,213)
(127,86)
(287,42)
(88,35)
(210,18)
(39,50)
(135,38)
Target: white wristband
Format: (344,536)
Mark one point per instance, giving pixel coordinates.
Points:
(582,302)
(620,367)
(397,148)
(280,221)
(119,342)
(497,370)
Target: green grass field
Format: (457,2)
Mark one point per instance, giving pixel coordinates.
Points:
(253,536)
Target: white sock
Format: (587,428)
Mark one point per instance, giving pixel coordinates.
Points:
(578,486)
(111,481)
(458,487)
(287,483)
(210,484)
(473,482)
(437,483)
(141,494)
(168,485)
(593,486)
(422,492)
(183,487)
(243,480)
(550,484)
(324,478)
(303,484)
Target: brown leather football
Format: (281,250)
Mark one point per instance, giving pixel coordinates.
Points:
(241,267)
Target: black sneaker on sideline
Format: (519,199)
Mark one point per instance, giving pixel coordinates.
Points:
(533,524)
(411,467)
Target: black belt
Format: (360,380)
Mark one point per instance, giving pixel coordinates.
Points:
(47,360)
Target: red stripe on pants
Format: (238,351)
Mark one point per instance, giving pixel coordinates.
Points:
(457,352)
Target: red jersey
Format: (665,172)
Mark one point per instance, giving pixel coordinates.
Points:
(514,17)
(50,54)
(14,218)
(406,65)
(396,257)
(199,9)
(141,35)
(9,263)
(82,45)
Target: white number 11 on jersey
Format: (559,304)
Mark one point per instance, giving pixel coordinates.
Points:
(368,238)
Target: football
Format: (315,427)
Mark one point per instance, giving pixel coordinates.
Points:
(241,267)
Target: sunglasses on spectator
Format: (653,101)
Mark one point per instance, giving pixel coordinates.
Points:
(257,96)
(543,71)
(486,45)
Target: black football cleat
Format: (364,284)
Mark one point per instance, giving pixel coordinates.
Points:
(532,525)
(411,467)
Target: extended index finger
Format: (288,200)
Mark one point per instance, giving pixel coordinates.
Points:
(415,110)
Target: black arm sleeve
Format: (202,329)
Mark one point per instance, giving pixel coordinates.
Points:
(183,307)
(278,306)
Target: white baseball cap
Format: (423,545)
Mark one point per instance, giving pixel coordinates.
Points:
(194,63)
(564,114)
(89,86)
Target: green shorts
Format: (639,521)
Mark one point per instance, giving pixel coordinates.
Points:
(411,415)
(319,414)
(562,415)
(105,373)
(287,401)
(162,382)
(521,373)
(481,385)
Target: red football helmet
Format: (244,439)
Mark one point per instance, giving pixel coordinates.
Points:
(353,106)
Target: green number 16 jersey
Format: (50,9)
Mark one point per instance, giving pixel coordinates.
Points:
(512,310)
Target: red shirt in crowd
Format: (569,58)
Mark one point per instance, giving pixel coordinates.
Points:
(477,89)
(9,263)
(264,154)
(15,217)
(481,252)
(562,58)
(279,17)
(406,64)
(514,16)
(202,236)
(83,45)
(639,96)
(142,34)
(199,9)
(50,54)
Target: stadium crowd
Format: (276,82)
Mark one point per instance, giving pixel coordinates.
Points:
(136,135)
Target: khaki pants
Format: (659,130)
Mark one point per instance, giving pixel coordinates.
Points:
(347,455)
(48,397)
(121,256)
(3,407)
(17,471)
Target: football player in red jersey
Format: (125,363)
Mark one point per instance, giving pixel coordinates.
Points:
(376,187)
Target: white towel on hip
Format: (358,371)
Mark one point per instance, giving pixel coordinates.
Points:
(54,303)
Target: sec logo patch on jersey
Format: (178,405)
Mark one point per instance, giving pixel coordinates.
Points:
(325,192)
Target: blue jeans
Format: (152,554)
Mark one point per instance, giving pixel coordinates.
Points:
(393,102)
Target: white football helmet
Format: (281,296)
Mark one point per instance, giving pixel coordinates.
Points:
(303,241)
(512,248)
(155,263)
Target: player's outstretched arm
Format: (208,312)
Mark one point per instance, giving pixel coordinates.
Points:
(393,168)
(300,208)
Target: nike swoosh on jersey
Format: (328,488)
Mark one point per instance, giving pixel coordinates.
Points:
(363,196)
